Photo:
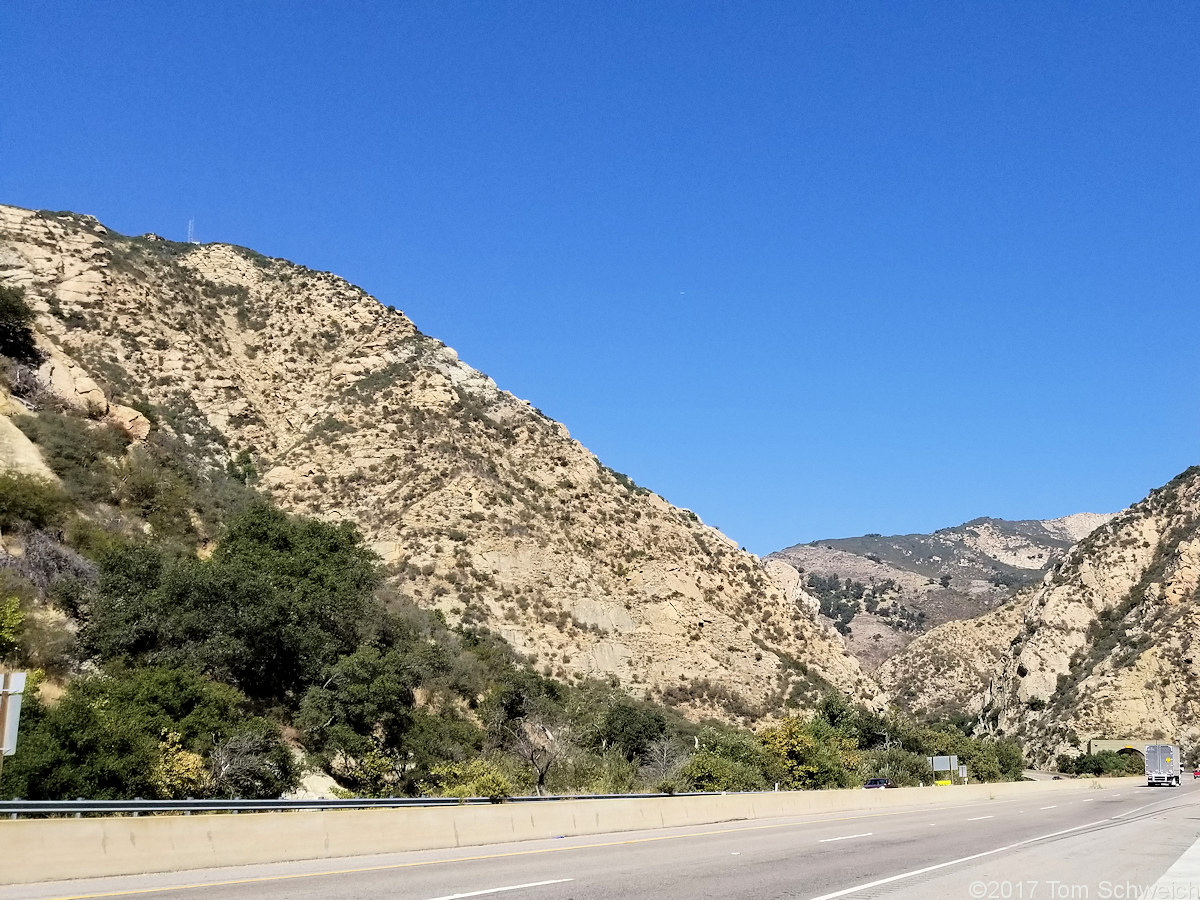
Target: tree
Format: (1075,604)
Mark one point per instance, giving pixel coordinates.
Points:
(280,600)
(253,762)
(16,326)
(539,744)
(324,571)
(629,729)
(836,709)
(179,772)
(902,767)
(812,754)
(359,718)
(661,762)
(725,759)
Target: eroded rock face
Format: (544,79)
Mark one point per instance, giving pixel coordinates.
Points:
(17,452)
(480,506)
(1104,648)
(953,669)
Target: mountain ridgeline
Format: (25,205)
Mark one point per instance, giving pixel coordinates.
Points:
(238,496)
(479,506)
(882,591)
(1103,647)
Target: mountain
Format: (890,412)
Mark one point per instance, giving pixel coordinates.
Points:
(480,505)
(883,591)
(1104,647)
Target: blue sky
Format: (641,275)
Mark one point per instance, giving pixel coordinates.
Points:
(810,269)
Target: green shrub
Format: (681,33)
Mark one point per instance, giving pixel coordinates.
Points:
(902,767)
(29,500)
(474,778)
(280,600)
(116,735)
(79,452)
(708,771)
(629,728)
(12,617)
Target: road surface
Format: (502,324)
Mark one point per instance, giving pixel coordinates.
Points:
(1119,841)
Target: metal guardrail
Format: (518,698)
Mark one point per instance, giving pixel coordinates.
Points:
(14,809)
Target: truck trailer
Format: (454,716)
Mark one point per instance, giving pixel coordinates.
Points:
(1162,765)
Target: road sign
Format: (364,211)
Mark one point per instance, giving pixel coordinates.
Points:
(943,763)
(12,686)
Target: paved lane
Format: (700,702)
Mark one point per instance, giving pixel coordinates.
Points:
(1029,848)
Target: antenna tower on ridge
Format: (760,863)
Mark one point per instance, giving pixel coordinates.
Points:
(192,232)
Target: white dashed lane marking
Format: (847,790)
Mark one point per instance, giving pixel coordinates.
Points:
(846,837)
(499,890)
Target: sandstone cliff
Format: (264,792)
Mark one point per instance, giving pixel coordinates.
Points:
(479,504)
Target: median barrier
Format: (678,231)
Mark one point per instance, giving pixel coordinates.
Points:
(34,850)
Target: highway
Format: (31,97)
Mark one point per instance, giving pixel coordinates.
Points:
(1116,841)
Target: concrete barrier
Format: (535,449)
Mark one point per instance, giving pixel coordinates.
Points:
(34,850)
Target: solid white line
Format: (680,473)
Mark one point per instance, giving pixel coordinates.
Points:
(1049,807)
(1135,809)
(845,837)
(1179,880)
(977,818)
(511,887)
(953,862)
(1088,800)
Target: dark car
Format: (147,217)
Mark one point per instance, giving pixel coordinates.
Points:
(879,783)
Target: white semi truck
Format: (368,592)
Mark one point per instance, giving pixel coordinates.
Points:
(1162,765)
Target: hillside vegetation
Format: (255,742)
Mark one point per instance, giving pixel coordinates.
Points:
(190,639)
(478,505)
(254,526)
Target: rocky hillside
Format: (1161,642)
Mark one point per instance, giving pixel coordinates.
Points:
(1103,648)
(881,592)
(481,506)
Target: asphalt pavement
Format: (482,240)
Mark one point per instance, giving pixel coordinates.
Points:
(1120,840)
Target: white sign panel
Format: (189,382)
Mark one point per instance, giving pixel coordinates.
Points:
(12,686)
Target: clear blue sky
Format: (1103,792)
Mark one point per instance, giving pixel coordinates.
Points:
(810,269)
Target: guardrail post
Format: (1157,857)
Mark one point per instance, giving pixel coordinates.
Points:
(135,812)
(79,815)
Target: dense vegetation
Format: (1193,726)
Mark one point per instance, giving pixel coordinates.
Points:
(1105,762)
(190,639)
